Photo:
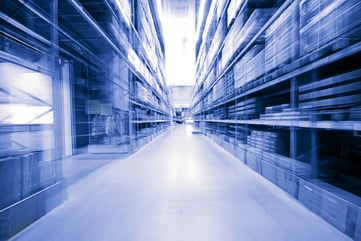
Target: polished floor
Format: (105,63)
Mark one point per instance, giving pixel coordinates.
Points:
(179,187)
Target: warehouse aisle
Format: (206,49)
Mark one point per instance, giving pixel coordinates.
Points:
(179,187)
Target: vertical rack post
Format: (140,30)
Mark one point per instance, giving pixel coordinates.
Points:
(314,137)
(294,82)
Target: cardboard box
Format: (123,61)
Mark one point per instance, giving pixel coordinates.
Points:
(287,181)
(310,196)
(334,210)
(269,171)
(252,160)
(358,226)
(10,184)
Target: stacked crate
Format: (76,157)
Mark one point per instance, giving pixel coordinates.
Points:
(221,113)
(336,206)
(10,186)
(36,173)
(334,93)
(292,166)
(228,84)
(250,66)
(241,33)
(218,90)
(231,109)
(239,132)
(217,40)
(240,71)
(280,40)
(23,175)
(283,112)
(232,10)
(254,23)
(237,24)
(145,95)
(326,26)
(246,109)
(358,226)
(264,141)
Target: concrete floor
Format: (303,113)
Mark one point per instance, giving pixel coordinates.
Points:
(179,187)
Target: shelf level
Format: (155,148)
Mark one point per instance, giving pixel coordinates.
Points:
(332,125)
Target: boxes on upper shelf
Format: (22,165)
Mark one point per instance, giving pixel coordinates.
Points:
(250,66)
(241,33)
(327,26)
(280,40)
(340,92)
(283,112)
(245,109)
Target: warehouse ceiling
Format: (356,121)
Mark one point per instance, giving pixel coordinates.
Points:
(182,8)
(179,25)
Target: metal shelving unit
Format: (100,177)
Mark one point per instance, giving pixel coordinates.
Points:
(89,55)
(292,112)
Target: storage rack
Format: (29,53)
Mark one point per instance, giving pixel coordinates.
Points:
(135,77)
(292,113)
(149,99)
(105,63)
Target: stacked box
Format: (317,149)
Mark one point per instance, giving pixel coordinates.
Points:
(355,113)
(283,178)
(240,34)
(247,109)
(276,108)
(30,174)
(265,141)
(210,78)
(334,210)
(217,40)
(10,185)
(269,171)
(280,40)
(220,113)
(287,181)
(309,9)
(46,174)
(229,49)
(333,204)
(240,71)
(228,146)
(310,196)
(228,84)
(340,91)
(250,66)
(329,25)
(144,94)
(358,226)
(253,159)
(290,165)
(235,5)
(240,153)
(239,133)
(232,10)
(218,90)
(231,112)
(250,28)
(283,112)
